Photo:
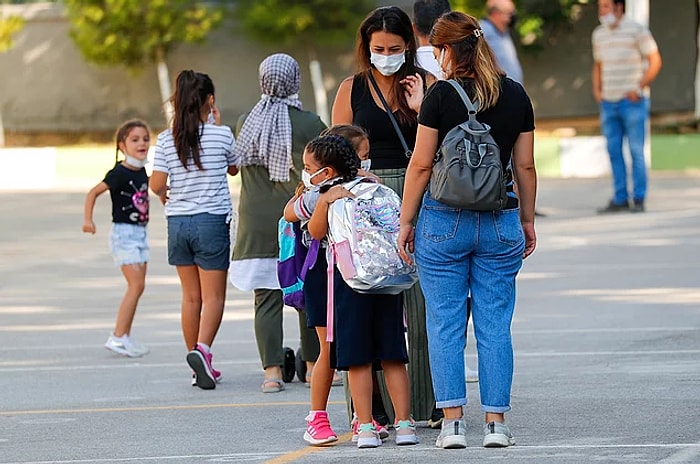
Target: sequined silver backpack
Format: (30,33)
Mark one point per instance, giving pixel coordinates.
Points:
(363,234)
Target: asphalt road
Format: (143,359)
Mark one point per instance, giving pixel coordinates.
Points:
(606,334)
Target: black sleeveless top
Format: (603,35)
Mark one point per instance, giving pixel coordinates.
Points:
(385,149)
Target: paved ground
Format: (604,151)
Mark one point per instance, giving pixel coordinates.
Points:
(607,339)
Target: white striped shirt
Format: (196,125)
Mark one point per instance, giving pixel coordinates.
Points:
(622,53)
(194,191)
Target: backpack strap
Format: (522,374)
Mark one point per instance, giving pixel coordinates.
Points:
(471,125)
(330,293)
(471,107)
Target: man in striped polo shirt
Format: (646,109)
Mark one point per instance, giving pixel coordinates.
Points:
(626,61)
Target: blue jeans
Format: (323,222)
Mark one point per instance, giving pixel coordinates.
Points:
(458,252)
(618,120)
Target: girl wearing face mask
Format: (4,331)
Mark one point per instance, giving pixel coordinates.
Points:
(127,183)
(386,52)
(368,327)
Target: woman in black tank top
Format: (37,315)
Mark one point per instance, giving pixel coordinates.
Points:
(386,53)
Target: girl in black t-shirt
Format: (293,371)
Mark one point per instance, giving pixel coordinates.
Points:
(460,251)
(127,183)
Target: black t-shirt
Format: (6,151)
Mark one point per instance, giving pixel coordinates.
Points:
(443,109)
(385,149)
(129,192)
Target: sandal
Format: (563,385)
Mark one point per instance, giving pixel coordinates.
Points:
(276,387)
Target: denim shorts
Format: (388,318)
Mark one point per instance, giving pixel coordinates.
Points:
(128,243)
(199,239)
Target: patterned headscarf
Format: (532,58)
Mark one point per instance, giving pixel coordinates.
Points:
(266,135)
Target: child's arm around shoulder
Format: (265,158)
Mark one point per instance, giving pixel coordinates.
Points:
(297,208)
(318,224)
(96,191)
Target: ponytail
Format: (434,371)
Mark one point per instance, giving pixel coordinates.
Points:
(191,92)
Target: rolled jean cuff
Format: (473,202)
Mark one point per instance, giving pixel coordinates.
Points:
(495,409)
(451,403)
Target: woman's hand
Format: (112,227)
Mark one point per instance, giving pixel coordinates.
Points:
(413,90)
(530,238)
(407,235)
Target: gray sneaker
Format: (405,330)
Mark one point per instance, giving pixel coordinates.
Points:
(497,435)
(452,435)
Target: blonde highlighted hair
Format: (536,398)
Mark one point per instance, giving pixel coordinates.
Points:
(471,55)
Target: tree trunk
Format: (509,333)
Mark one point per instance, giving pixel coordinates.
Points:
(165,88)
(320,94)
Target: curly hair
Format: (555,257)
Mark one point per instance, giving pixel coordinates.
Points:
(336,152)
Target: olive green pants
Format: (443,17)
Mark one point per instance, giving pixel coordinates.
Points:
(269,333)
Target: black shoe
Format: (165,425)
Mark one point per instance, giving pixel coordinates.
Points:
(613,207)
(435,421)
(638,206)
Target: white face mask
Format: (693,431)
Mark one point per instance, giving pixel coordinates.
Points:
(441,61)
(388,64)
(607,19)
(365,164)
(135,162)
(306,177)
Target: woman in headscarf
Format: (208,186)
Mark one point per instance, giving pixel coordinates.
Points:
(270,140)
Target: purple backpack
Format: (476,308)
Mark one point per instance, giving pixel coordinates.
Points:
(294,262)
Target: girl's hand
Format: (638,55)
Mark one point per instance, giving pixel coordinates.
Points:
(163,197)
(413,90)
(335,193)
(405,242)
(369,175)
(217,115)
(89,227)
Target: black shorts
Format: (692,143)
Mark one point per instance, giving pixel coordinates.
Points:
(369,328)
(315,292)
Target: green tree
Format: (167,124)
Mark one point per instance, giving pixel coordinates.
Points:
(8,27)
(307,23)
(539,21)
(135,33)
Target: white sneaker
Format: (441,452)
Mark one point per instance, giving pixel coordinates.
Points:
(125,346)
(136,346)
(453,435)
(497,435)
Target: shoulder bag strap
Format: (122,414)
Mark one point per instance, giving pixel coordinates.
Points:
(406,150)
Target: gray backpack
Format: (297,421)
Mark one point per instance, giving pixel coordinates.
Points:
(467,173)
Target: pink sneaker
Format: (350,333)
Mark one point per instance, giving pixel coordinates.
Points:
(217,374)
(200,362)
(318,429)
(379,428)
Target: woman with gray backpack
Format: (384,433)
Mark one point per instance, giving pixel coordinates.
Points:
(473,230)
